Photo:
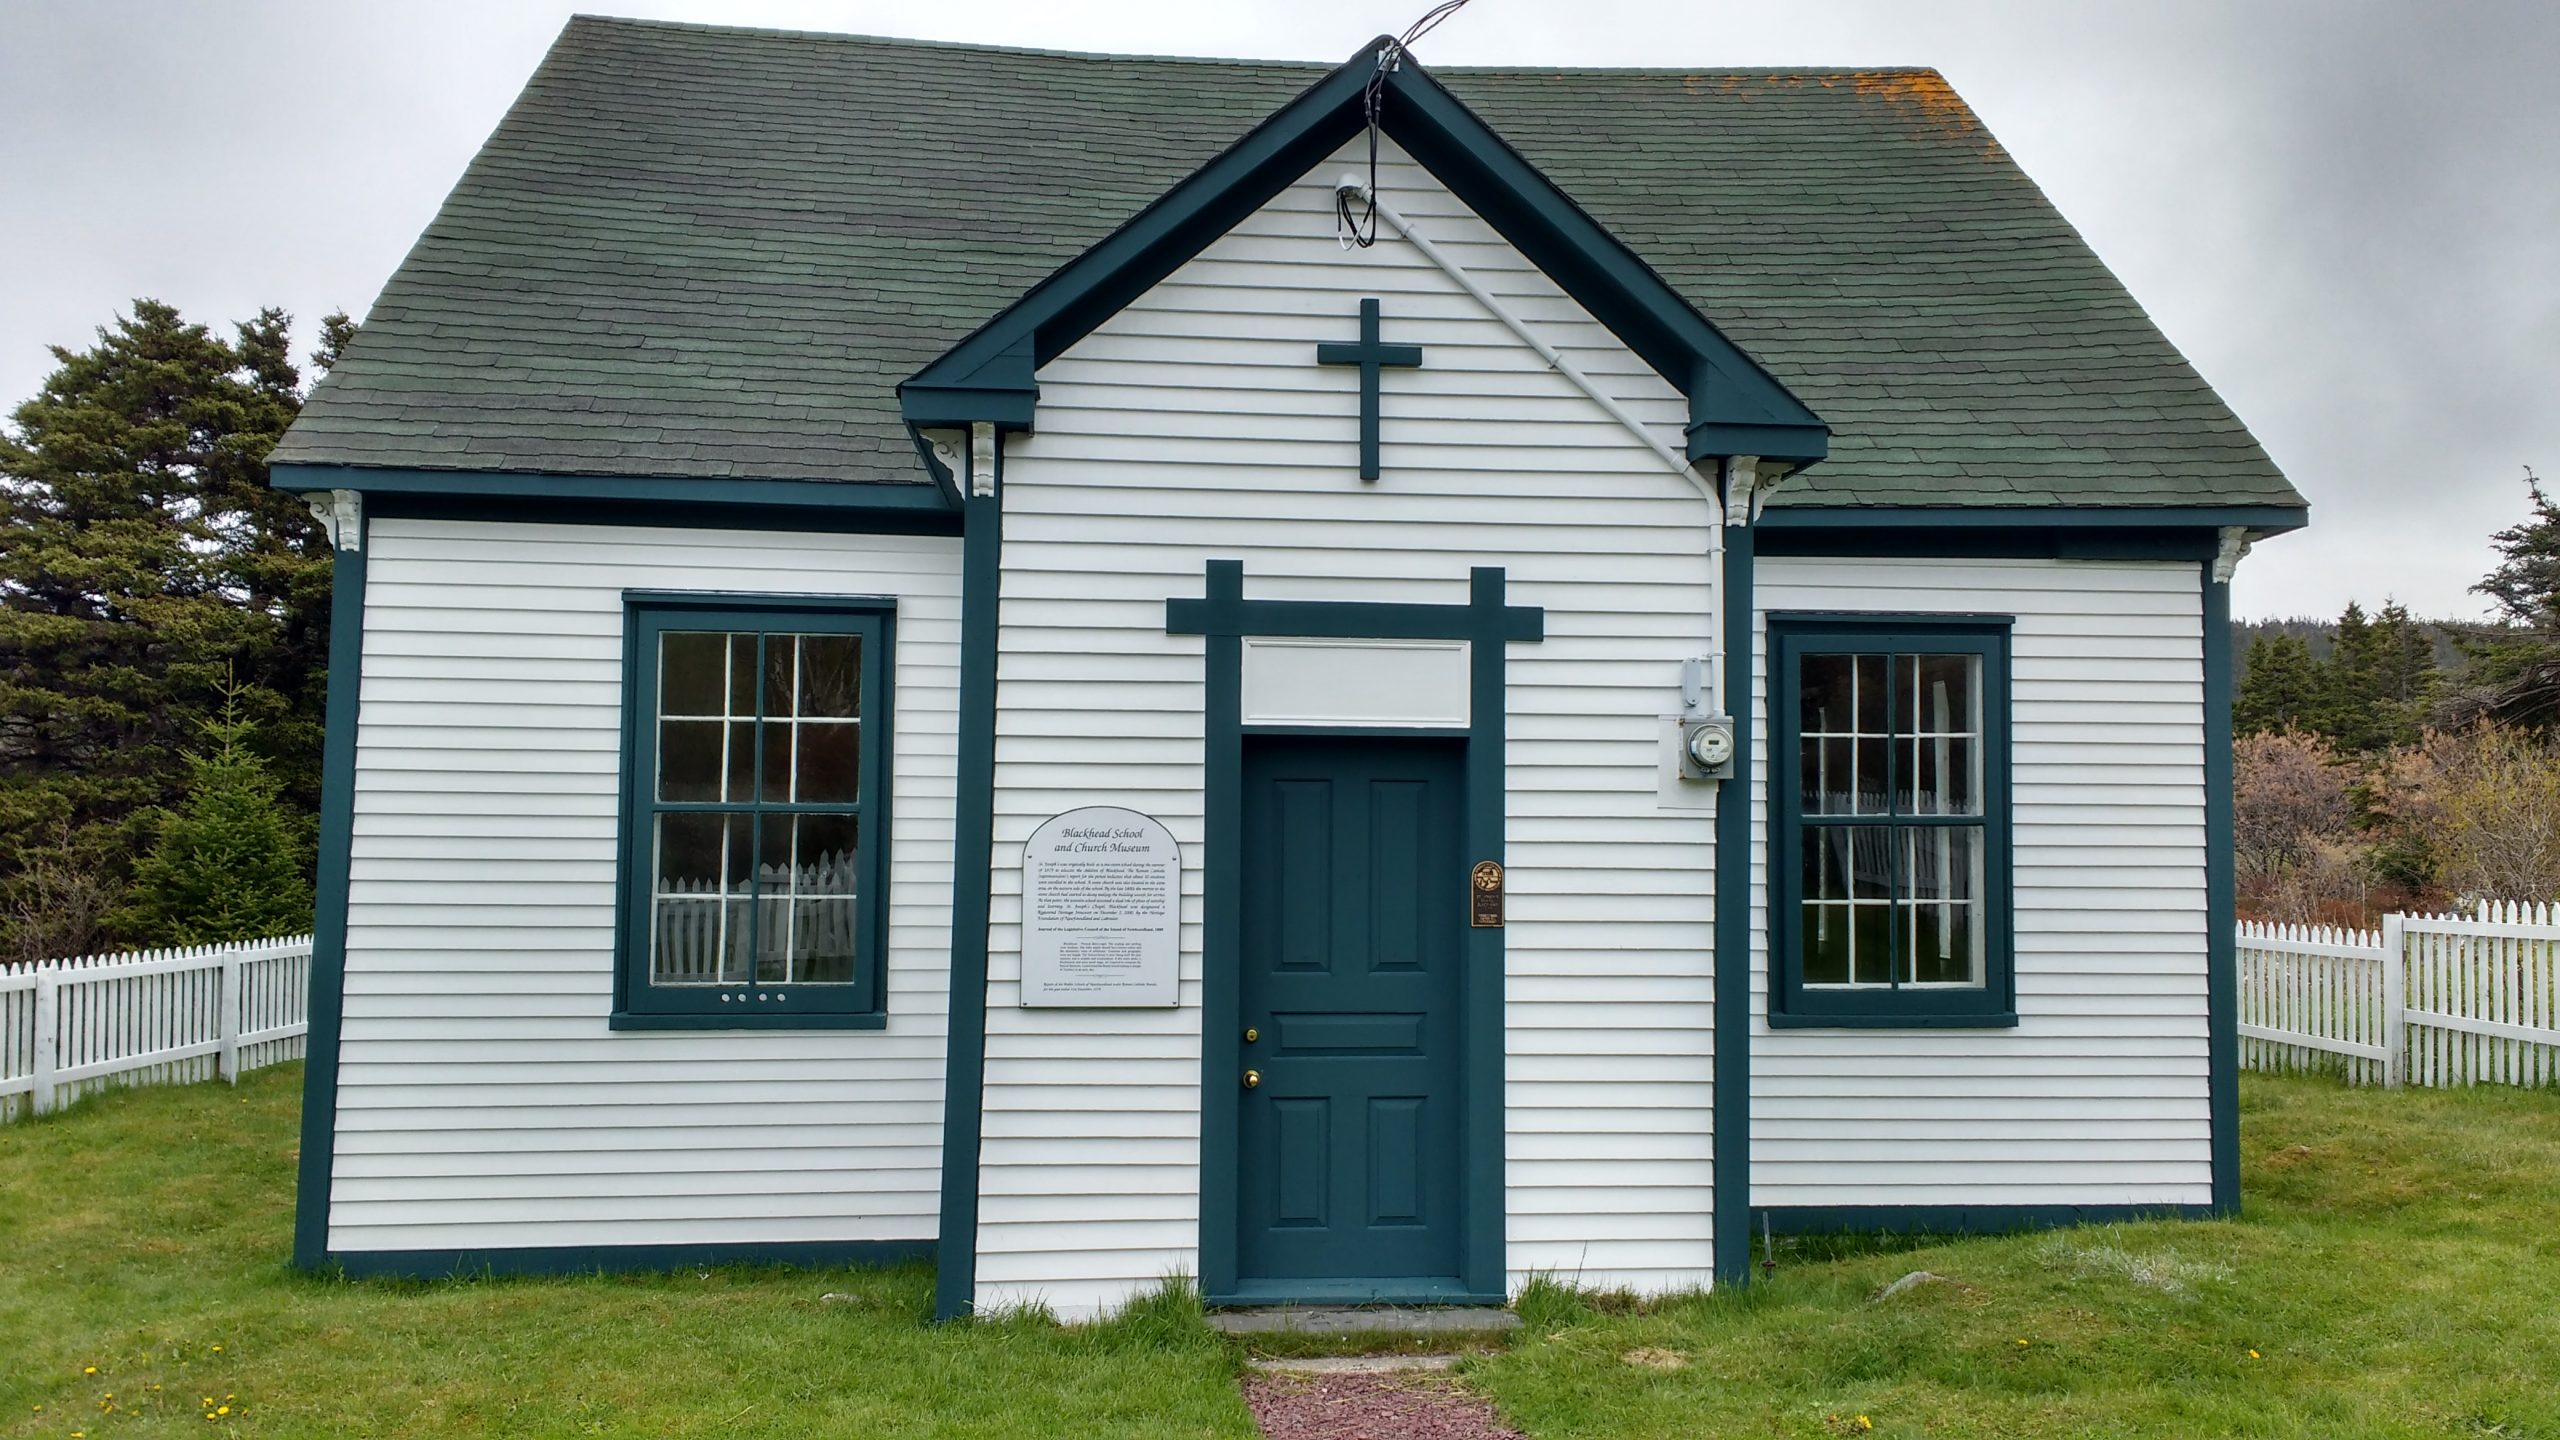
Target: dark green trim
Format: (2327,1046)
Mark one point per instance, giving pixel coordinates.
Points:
(2222,962)
(1372,356)
(1451,1291)
(1792,1003)
(1224,617)
(640,1005)
(884,498)
(1221,909)
(1890,1017)
(603,1259)
(1960,1219)
(1997,542)
(327,1003)
(955,1285)
(666,514)
(2260,519)
(1732,400)
(1731,1200)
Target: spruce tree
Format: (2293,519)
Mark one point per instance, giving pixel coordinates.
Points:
(2513,670)
(2282,689)
(2405,672)
(230,863)
(144,565)
(2353,715)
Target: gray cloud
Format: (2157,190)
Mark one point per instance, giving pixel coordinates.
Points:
(2344,211)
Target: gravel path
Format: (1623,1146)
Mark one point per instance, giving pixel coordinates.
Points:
(1411,1406)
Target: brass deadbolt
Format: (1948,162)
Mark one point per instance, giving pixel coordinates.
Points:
(1251,1034)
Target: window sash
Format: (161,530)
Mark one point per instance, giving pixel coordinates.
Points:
(741,988)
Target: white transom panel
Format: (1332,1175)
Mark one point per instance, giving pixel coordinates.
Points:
(1355,682)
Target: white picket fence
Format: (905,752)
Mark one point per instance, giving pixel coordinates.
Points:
(149,1017)
(2425,1000)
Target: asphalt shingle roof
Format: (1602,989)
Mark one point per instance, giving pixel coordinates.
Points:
(704,252)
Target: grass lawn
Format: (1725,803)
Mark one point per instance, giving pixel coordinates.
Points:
(2398,1274)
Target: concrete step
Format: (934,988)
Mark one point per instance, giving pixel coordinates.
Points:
(1364,1320)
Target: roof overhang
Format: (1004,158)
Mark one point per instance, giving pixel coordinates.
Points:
(1735,406)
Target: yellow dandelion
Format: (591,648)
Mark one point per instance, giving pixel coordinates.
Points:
(89,1370)
(208,1414)
(217,1349)
(230,1397)
(2253,1354)
(208,1399)
(221,1409)
(2022,1342)
(1865,1424)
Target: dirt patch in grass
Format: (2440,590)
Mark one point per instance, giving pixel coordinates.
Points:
(1370,1407)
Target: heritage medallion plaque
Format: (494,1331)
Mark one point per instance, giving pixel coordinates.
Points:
(1101,911)
(1484,895)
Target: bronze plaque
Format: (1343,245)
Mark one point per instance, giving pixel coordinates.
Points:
(1484,896)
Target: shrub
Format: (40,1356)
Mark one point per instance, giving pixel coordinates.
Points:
(228,864)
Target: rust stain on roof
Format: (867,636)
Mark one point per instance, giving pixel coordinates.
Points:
(1929,101)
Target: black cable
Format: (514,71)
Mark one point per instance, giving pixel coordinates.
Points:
(1363,228)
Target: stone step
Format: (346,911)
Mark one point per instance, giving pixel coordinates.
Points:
(1364,1320)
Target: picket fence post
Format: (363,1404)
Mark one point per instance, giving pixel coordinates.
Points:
(40,1099)
(227,995)
(2395,993)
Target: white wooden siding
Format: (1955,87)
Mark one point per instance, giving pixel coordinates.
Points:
(482,1103)
(2098,1097)
(1195,425)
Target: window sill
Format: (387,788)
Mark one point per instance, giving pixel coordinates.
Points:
(1974,1020)
(630,1020)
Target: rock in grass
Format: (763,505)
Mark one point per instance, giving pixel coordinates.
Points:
(1915,1278)
(1655,1358)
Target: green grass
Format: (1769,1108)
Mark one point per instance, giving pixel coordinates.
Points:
(145,1233)
(2398,1273)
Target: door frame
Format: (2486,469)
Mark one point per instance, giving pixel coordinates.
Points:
(1224,617)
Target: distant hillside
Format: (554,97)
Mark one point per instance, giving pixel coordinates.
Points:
(2322,637)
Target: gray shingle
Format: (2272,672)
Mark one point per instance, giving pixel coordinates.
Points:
(693,251)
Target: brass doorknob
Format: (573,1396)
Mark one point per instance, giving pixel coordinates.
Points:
(1252,1078)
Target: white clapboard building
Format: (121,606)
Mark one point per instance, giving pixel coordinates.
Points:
(1099,667)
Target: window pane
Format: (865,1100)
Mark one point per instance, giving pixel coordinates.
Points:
(741,762)
(1942,915)
(781,661)
(690,667)
(1824,705)
(1825,944)
(773,898)
(1872,944)
(1867,756)
(830,762)
(1945,694)
(777,761)
(742,674)
(1872,697)
(831,676)
(689,759)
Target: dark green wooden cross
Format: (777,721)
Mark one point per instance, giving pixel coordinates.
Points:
(1371,357)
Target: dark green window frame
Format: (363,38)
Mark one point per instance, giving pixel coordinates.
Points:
(1793,1003)
(639,1004)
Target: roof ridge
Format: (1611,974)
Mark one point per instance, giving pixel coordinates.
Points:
(1044,52)
(772,32)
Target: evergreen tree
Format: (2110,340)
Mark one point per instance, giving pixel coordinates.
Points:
(230,864)
(2283,688)
(2405,672)
(2353,716)
(2513,674)
(144,563)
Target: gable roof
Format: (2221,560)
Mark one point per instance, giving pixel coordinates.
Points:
(1735,407)
(698,252)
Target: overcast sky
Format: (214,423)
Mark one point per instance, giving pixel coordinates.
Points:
(2346,212)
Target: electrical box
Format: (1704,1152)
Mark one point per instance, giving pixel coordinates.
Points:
(1706,748)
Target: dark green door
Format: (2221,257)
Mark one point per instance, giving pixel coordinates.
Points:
(1354,916)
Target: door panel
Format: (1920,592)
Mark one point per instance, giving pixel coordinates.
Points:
(1354,915)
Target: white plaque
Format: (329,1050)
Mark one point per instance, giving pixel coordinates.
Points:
(1101,911)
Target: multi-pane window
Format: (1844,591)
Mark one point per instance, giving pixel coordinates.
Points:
(1889,764)
(753,851)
